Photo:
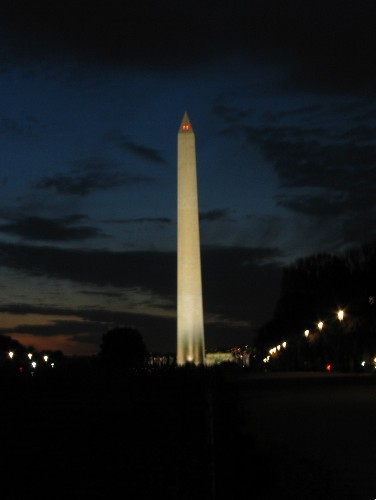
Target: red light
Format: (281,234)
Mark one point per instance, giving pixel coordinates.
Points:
(328,367)
(21,369)
(185,126)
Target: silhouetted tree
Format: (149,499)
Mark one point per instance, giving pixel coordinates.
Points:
(123,347)
(8,344)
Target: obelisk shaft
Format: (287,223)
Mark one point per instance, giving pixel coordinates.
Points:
(190,321)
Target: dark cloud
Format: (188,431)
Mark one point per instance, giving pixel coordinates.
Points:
(88,319)
(93,164)
(337,166)
(150,270)
(48,229)
(324,159)
(141,33)
(144,152)
(360,134)
(17,128)
(214,215)
(82,185)
(229,114)
(361,227)
(241,283)
(235,269)
(321,206)
(103,293)
(366,114)
(354,217)
(344,56)
(323,45)
(88,176)
(305,111)
(23,309)
(141,220)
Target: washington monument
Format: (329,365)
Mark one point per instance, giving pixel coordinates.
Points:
(190,316)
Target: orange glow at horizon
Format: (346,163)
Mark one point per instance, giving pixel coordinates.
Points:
(62,343)
(59,342)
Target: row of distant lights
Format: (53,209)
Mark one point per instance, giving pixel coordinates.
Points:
(320,326)
(363,363)
(33,363)
(275,350)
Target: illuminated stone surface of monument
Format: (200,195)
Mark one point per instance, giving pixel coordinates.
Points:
(190,316)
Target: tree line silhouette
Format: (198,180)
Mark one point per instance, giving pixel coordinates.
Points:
(314,289)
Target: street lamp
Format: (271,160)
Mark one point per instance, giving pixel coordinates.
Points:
(320,325)
(306,333)
(11,354)
(340,314)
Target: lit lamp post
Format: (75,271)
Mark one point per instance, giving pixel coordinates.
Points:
(320,326)
(306,333)
(341,341)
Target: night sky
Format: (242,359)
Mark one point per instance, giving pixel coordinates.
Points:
(281,97)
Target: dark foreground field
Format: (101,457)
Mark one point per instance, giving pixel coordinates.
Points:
(315,433)
(187,434)
(81,435)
